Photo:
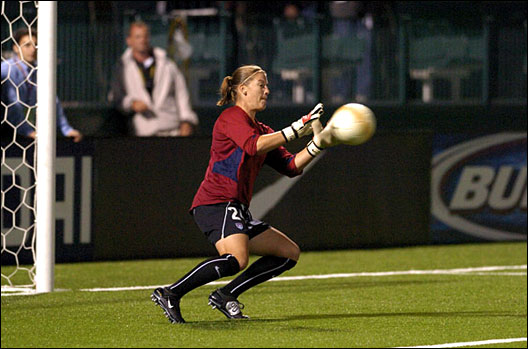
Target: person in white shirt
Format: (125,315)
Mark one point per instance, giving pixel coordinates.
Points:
(149,85)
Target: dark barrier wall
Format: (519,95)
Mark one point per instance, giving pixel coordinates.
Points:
(373,195)
(128,198)
(376,194)
(143,190)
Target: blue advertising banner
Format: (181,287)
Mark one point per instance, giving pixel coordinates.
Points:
(478,187)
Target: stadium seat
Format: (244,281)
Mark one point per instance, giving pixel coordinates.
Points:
(448,57)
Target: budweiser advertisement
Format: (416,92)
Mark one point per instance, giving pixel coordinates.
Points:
(478,187)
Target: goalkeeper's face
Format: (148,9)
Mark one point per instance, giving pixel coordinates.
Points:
(257,92)
(27,50)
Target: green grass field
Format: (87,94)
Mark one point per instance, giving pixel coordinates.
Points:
(370,309)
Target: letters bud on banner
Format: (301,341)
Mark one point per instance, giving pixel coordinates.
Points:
(478,188)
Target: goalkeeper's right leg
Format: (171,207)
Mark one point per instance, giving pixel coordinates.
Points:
(228,305)
(169,303)
(279,254)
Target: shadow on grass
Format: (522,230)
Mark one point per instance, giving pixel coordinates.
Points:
(225,323)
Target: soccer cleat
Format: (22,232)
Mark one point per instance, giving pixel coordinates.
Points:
(227,304)
(170,304)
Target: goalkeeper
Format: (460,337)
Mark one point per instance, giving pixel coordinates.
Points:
(241,145)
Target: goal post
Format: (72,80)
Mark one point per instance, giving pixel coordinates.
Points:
(46,146)
(28,166)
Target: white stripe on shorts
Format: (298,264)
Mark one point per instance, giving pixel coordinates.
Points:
(225,217)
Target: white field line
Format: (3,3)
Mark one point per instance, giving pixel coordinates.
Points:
(467,344)
(490,270)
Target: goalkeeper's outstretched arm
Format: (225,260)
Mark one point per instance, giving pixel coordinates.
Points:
(297,129)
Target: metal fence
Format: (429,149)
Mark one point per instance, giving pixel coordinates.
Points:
(86,56)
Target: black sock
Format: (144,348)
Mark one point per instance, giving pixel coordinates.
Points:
(262,270)
(209,270)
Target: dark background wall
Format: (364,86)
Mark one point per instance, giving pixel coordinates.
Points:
(376,195)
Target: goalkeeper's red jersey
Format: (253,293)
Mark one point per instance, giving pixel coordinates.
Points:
(234,163)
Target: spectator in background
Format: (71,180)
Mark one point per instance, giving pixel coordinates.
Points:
(19,88)
(250,26)
(293,24)
(149,86)
(291,11)
(241,23)
(352,18)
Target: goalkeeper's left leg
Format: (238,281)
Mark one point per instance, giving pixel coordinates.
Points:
(279,253)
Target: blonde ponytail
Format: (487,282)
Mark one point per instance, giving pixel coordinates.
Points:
(227,94)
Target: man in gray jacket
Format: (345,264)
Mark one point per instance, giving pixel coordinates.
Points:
(149,85)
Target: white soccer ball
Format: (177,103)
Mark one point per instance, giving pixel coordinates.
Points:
(353,123)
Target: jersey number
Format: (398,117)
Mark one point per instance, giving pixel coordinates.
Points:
(234,216)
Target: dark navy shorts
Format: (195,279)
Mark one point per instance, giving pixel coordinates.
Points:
(218,221)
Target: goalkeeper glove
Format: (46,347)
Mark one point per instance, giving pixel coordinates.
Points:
(323,138)
(303,126)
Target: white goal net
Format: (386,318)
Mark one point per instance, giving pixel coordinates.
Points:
(20,153)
